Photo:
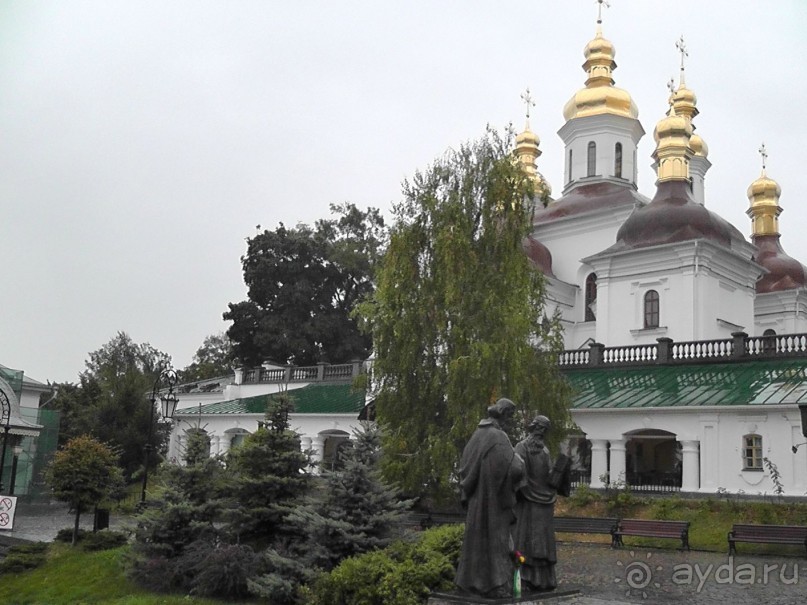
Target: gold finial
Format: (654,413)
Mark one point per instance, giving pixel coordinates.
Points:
(525,96)
(682,48)
(763,151)
(599,10)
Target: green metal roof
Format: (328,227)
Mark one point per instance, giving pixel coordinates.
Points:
(321,398)
(726,384)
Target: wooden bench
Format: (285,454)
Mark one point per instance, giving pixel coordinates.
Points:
(766,534)
(649,528)
(430,519)
(586,525)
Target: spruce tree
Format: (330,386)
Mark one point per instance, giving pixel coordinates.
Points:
(269,474)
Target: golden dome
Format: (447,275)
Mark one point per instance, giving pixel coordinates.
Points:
(673,151)
(699,146)
(527,152)
(764,212)
(600,96)
(685,102)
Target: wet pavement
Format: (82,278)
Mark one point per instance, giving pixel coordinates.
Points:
(41,522)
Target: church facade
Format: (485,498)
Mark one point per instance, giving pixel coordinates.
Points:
(684,339)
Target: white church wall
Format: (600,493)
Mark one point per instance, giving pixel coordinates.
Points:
(784,312)
(716,434)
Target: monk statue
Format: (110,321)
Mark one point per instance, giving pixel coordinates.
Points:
(489,471)
(535,508)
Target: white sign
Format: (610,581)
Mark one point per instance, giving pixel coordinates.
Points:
(8,506)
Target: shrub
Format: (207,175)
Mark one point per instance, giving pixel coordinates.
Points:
(667,508)
(103,540)
(402,574)
(66,535)
(582,496)
(22,557)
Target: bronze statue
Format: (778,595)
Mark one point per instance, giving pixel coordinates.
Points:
(489,470)
(535,531)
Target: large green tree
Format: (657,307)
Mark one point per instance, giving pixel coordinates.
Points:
(303,284)
(110,401)
(458,314)
(212,359)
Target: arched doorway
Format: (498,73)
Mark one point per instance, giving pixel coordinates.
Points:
(653,461)
(334,442)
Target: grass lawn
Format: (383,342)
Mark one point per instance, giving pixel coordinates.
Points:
(74,577)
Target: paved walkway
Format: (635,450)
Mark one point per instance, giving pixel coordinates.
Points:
(670,576)
(40,522)
(602,575)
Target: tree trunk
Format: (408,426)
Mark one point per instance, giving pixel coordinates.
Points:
(75,526)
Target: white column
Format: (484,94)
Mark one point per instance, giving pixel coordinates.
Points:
(215,440)
(224,443)
(318,447)
(182,442)
(617,470)
(599,461)
(690,466)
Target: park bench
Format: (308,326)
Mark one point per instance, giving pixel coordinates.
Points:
(650,528)
(586,525)
(431,518)
(766,534)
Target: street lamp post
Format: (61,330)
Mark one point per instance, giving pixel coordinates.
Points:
(168,403)
(17,451)
(6,420)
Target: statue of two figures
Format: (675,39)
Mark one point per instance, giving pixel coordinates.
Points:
(509,495)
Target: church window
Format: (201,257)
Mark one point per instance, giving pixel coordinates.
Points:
(591,168)
(569,179)
(752,452)
(651,309)
(618,160)
(591,297)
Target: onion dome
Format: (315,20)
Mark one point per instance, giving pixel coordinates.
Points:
(674,215)
(685,103)
(527,152)
(784,272)
(591,197)
(673,151)
(539,255)
(600,96)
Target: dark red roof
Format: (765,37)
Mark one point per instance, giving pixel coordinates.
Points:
(539,254)
(586,198)
(674,216)
(786,273)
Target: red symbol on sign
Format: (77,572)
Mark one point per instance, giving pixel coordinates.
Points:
(5,504)
(4,519)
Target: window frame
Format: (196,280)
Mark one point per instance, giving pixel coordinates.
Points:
(752,452)
(591,159)
(589,297)
(652,309)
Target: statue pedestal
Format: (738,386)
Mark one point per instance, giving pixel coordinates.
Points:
(440,598)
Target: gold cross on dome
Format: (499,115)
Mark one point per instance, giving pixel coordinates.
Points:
(682,48)
(599,10)
(671,88)
(763,151)
(525,96)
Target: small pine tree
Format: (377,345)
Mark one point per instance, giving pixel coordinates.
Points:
(353,512)
(168,535)
(268,474)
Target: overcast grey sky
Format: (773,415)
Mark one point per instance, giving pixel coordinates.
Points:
(142,142)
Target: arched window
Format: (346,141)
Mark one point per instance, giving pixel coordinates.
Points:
(591,297)
(569,174)
(651,309)
(591,168)
(618,160)
(769,341)
(752,452)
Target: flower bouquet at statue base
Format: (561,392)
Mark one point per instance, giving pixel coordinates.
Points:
(518,560)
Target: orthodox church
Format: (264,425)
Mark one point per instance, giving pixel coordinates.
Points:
(684,340)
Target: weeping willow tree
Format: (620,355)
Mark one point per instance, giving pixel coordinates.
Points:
(458,315)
